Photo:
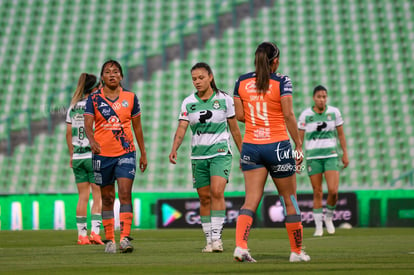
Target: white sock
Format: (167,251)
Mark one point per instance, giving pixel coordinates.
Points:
(216,227)
(318,220)
(81,225)
(329,213)
(96,223)
(207,231)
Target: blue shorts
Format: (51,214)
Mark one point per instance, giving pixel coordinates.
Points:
(108,169)
(276,157)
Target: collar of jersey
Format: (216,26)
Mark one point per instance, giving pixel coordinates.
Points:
(202,101)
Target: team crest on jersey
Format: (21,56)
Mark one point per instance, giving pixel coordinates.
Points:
(124,103)
(216,104)
(113,119)
(329,117)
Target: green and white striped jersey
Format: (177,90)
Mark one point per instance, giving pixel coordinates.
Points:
(320,132)
(74,116)
(208,123)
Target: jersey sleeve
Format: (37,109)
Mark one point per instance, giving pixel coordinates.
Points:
(236,88)
(183,114)
(302,121)
(68,119)
(136,108)
(286,88)
(230,107)
(338,118)
(89,109)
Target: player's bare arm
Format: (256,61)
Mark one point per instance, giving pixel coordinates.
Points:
(139,135)
(235,132)
(178,139)
(291,124)
(95,147)
(238,107)
(342,142)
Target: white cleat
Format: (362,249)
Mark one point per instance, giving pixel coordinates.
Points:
(329,225)
(302,257)
(243,255)
(110,247)
(318,232)
(217,245)
(207,249)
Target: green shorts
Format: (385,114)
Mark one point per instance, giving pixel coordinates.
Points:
(83,170)
(317,166)
(203,169)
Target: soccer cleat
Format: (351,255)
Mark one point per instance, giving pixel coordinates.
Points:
(243,255)
(82,240)
(125,245)
(329,225)
(302,257)
(217,245)
(318,232)
(207,248)
(110,247)
(95,238)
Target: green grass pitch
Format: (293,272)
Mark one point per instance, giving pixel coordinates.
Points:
(176,251)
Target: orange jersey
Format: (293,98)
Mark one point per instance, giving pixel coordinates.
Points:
(263,114)
(113,121)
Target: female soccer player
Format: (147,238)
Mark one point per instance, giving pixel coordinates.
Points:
(210,113)
(321,125)
(263,101)
(81,161)
(114,157)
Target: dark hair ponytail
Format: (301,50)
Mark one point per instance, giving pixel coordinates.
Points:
(264,56)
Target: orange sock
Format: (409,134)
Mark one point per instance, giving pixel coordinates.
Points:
(109,227)
(244,223)
(125,219)
(295,233)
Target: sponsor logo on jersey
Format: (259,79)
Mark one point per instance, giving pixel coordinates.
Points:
(251,86)
(113,119)
(103,104)
(116,106)
(124,103)
(78,117)
(106,111)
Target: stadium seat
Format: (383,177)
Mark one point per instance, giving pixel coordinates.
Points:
(366,66)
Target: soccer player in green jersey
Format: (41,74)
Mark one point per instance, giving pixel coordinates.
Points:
(210,114)
(81,161)
(320,127)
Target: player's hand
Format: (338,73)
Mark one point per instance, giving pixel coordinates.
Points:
(70,162)
(95,147)
(345,160)
(299,159)
(143,162)
(173,157)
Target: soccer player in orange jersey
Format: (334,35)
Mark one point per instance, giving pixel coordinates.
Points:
(263,101)
(112,143)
